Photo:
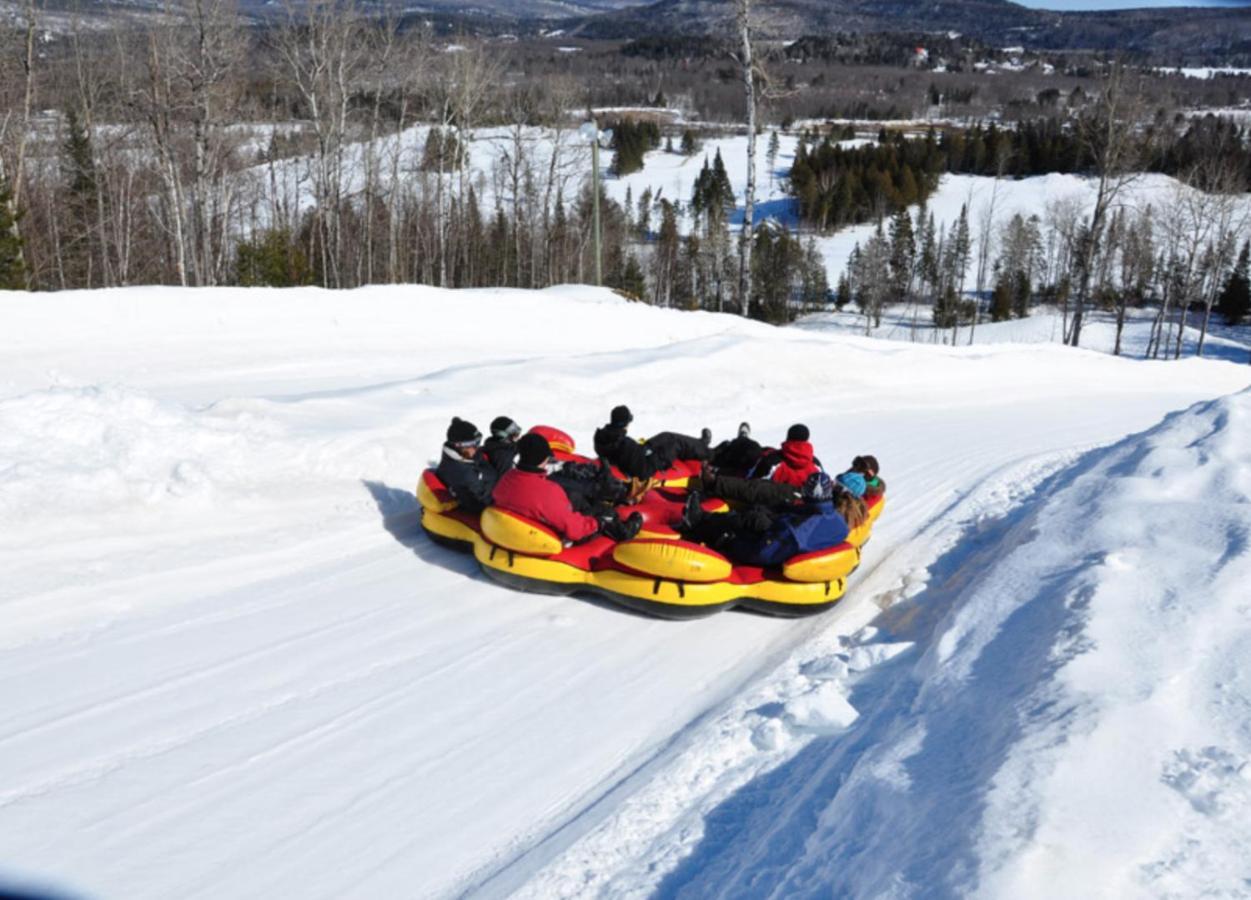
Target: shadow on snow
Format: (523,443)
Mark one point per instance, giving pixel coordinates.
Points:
(401,518)
(893,805)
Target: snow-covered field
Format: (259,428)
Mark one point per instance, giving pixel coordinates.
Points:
(234,667)
(558,162)
(913,323)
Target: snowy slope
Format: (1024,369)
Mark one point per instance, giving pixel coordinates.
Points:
(1060,708)
(234,667)
(914,323)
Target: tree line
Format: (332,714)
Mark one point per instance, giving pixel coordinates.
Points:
(1185,257)
(837,185)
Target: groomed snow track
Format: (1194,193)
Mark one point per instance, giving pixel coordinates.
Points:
(235,667)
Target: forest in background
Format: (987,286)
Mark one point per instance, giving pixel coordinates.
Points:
(159,154)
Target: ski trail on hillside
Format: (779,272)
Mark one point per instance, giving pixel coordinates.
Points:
(622,845)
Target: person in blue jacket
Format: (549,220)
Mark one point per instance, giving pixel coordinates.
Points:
(762,537)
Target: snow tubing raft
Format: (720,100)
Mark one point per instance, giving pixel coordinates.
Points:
(657,573)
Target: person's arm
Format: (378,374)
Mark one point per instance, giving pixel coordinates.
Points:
(480,486)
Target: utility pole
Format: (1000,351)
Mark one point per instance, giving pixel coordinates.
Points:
(590,131)
(599,258)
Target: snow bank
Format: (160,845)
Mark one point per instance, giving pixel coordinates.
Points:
(1059,707)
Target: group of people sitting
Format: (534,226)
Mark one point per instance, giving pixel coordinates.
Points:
(786,504)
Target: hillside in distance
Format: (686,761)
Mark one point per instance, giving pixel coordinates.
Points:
(1164,30)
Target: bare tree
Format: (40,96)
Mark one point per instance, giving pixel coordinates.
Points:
(742,20)
(1110,138)
(22,127)
(325,52)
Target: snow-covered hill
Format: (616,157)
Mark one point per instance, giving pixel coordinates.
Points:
(233,666)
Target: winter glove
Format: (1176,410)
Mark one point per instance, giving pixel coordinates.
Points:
(613,527)
(632,526)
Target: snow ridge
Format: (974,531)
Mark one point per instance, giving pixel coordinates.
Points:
(1056,706)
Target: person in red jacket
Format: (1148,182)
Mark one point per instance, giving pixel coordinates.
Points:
(793,463)
(527,491)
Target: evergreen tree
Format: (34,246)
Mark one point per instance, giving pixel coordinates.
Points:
(78,202)
(771,155)
(1235,300)
(690,144)
(1001,299)
(815,285)
(442,152)
(272,259)
(12,265)
(666,256)
(776,260)
(630,142)
(903,251)
(843,296)
(645,213)
(632,283)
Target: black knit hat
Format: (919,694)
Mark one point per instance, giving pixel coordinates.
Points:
(504,427)
(462,433)
(797,433)
(621,416)
(532,451)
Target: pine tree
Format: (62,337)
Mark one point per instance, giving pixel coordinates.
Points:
(1235,300)
(272,259)
(771,155)
(632,282)
(815,283)
(666,256)
(12,264)
(1001,299)
(903,251)
(690,144)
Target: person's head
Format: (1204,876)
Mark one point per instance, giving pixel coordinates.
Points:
(505,429)
(464,437)
(866,465)
(533,452)
(621,416)
(797,432)
(851,508)
(853,483)
(817,488)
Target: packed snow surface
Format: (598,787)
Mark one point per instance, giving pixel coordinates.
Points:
(234,666)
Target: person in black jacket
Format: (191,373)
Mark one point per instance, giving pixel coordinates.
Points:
(740,455)
(500,449)
(614,445)
(462,468)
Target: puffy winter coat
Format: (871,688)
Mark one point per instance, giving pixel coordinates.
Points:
(816,527)
(501,454)
(469,480)
(533,495)
(635,460)
(791,465)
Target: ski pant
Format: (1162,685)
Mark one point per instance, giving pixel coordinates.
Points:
(754,491)
(669,446)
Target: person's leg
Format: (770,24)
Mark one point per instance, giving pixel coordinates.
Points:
(754,491)
(678,446)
